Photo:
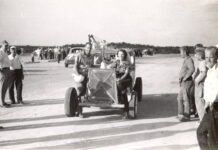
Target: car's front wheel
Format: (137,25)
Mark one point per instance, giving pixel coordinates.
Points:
(71,102)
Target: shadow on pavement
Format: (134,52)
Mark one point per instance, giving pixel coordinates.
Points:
(170,147)
(66,123)
(32,119)
(151,106)
(115,140)
(40,102)
(28,74)
(34,70)
(158,106)
(111,131)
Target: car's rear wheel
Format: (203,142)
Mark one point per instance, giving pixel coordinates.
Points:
(71,102)
(138,88)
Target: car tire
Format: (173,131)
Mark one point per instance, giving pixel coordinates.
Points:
(71,102)
(138,88)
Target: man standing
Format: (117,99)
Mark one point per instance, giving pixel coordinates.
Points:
(17,72)
(207,132)
(186,85)
(59,54)
(5,78)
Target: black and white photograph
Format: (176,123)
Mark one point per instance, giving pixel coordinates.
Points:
(109,74)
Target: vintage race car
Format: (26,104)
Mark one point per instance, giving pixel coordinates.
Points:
(102,91)
(70,59)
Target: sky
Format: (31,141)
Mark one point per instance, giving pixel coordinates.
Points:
(153,22)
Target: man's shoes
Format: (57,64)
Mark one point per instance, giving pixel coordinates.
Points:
(5,105)
(21,102)
(126,116)
(179,116)
(81,115)
(184,119)
(196,115)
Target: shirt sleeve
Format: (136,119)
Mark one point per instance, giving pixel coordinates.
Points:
(77,59)
(1,55)
(203,66)
(214,90)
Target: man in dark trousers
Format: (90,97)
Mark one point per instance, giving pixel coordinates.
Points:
(17,67)
(186,85)
(207,132)
(5,75)
(59,55)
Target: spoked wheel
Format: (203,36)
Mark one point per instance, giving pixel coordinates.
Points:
(133,105)
(71,102)
(138,88)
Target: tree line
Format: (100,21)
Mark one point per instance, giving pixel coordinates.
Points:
(135,47)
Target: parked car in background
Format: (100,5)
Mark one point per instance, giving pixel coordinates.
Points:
(70,59)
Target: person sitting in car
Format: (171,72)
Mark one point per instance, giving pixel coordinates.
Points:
(124,79)
(83,62)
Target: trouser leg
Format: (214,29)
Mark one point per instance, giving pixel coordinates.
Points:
(19,84)
(2,86)
(122,92)
(6,81)
(180,101)
(200,107)
(202,133)
(126,103)
(81,87)
(192,100)
(19,87)
(11,93)
(187,96)
(10,82)
(199,101)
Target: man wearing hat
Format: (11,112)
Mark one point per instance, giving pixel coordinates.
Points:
(5,78)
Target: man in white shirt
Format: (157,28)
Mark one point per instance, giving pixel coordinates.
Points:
(17,75)
(5,76)
(207,131)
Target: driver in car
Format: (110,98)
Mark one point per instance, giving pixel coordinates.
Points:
(83,62)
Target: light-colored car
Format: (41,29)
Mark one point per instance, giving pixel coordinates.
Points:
(70,59)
